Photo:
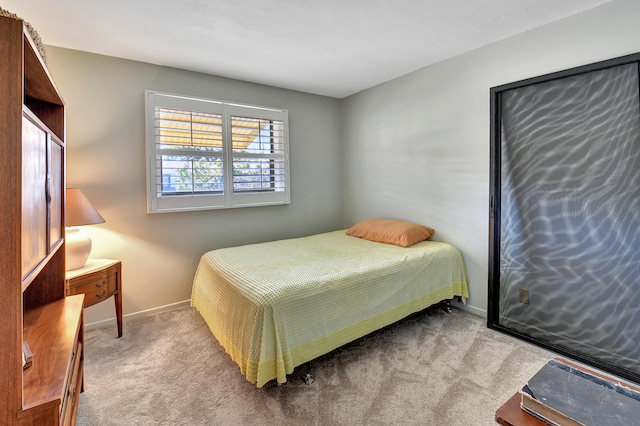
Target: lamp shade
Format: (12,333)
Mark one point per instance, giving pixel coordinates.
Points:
(79,210)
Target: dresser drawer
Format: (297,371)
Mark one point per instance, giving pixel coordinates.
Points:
(73,388)
(96,287)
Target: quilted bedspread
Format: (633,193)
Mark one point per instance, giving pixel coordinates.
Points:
(276,305)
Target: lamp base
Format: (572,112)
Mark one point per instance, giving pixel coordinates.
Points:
(78,248)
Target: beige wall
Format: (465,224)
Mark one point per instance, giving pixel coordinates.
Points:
(106,159)
(417,147)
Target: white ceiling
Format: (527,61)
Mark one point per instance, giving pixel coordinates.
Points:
(328,47)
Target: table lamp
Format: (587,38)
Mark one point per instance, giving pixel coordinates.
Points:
(80,212)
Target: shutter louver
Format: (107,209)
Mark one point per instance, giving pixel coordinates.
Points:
(188,152)
(258,154)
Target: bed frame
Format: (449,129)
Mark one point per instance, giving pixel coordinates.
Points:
(274,306)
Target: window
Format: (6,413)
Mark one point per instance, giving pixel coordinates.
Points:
(206,154)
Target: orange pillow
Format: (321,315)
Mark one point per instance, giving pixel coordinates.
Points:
(391,231)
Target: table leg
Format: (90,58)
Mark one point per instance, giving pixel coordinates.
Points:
(118,300)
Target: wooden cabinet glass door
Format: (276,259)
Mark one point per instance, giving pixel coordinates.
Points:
(34,203)
(54,189)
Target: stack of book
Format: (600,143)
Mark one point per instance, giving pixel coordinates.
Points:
(566,394)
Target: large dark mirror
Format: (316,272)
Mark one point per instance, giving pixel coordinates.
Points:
(564,267)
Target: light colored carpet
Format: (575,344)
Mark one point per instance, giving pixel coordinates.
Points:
(431,369)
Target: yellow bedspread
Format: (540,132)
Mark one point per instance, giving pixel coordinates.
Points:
(276,305)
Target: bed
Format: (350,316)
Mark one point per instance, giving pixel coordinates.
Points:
(276,305)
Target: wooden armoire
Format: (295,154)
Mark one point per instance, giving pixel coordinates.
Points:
(33,307)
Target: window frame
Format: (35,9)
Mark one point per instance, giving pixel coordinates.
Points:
(160,202)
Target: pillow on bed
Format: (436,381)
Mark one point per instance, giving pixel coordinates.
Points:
(391,231)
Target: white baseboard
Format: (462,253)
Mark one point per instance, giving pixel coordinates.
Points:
(112,321)
(471,309)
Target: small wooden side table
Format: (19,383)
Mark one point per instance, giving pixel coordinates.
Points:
(98,280)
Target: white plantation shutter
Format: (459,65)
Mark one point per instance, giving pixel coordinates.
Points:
(188,138)
(206,154)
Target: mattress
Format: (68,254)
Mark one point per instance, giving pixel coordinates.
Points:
(276,305)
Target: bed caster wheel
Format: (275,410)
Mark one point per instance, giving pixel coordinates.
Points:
(308,378)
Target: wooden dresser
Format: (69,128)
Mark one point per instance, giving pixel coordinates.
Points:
(33,307)
(55,379)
